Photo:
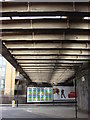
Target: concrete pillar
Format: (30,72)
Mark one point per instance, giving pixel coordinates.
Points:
(82,87)
(9,80)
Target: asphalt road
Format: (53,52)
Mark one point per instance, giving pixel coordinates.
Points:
(34,111)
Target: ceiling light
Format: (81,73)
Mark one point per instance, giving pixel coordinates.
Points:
(9,0)
(64,17)
(86,18)
(4,43)
(6,0)
(40,17)
(4,18)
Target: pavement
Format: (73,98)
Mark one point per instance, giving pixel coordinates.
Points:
(40,111)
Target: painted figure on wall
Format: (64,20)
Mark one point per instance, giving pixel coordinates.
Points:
(56,90)
(62,93)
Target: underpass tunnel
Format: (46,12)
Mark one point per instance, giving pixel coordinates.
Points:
(44,53)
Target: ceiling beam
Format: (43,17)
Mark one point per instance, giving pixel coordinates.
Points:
(31,24)
(35,49)
(17,36)
(58,59)
(32,36)
(47,30)
(47,46)
(50,63)
(43,66)
(46,20)
(6,54)
(13,41)
(44,6)
(45,69)
(30,68)
(51,57)
(71,14)
(46,55)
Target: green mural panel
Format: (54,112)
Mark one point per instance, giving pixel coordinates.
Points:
(39,94)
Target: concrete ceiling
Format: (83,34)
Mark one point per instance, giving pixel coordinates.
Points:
(45,49)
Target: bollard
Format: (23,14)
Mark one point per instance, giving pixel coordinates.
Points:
(17,103)
(13,103)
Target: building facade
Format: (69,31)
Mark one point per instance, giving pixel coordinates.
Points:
(7,80)
(2,74)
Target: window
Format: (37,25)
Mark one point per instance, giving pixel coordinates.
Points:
(2,72)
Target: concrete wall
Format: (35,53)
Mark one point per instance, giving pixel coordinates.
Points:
(8,100)
(82,87)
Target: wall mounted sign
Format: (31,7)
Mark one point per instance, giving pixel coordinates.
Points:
(39,94)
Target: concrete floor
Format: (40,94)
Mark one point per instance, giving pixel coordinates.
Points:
(40,111)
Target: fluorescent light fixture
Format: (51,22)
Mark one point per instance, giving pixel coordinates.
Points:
(9,0)
(5,0)
(4,43)
(86,18)
(4,18)
(40,17)
(64,17)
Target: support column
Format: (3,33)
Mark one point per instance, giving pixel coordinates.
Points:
(9,80)
(83,88)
